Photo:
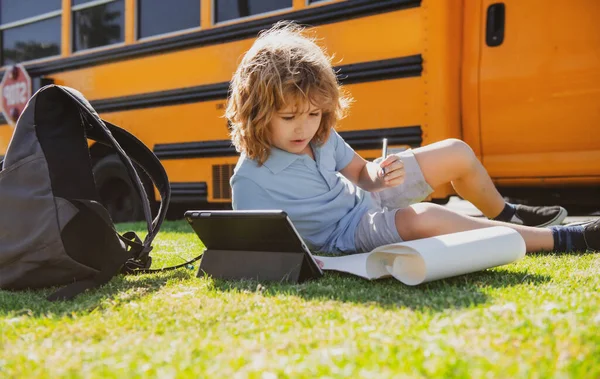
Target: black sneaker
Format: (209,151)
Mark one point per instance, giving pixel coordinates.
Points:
(538,216)
(591,233)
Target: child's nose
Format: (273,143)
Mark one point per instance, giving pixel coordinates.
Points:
(300,126)
(305,123)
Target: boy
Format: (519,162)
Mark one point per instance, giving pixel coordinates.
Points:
(285,101)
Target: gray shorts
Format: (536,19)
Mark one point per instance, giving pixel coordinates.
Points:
(378,225)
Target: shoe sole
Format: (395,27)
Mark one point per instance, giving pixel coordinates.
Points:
(579,223)
(556,220)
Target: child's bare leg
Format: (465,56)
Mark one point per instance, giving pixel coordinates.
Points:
(424,220)
(453,161)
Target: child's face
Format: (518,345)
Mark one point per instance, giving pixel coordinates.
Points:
(293,127)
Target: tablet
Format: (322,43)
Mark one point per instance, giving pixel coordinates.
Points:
(269,236)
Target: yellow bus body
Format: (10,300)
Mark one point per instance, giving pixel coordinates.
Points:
(419,71)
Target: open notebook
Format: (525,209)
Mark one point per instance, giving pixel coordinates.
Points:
(440,257)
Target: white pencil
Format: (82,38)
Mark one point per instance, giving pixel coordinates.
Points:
(384,152)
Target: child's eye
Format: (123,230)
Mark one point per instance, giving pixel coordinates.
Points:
(287,118)
(316,114)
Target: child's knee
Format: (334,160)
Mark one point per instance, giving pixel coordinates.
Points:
(415,222)
(460,147)
(463,155)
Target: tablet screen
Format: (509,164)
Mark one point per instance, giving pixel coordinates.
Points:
(246,230)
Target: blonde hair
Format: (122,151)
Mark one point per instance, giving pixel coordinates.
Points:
(283,65)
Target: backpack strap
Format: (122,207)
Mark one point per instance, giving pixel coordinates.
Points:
(146,159)
(121,140)
(99,131)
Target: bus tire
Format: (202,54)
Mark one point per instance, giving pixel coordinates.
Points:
(117,192)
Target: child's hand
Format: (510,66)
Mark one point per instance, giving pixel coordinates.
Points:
(320,263)
(392,171)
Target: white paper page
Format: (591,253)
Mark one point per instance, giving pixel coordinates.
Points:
(355,264)
(454,254)
(428,259)
(363,265)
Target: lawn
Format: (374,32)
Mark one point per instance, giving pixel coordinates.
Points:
(536,318)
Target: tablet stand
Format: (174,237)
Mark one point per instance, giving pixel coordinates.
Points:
(258,265)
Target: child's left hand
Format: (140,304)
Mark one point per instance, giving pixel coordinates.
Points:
(392,171)
(320,263)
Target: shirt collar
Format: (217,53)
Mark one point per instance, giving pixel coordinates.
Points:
(279,160)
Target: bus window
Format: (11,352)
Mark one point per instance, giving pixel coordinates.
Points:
(98,25)
(161,17)
(226,10)
(20,10)
(30,30)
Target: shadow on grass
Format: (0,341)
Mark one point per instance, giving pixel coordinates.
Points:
(459,292)
(454,293)
(120,290)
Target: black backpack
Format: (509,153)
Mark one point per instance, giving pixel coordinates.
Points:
(53,229)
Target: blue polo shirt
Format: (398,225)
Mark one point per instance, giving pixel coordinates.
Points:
(324,206)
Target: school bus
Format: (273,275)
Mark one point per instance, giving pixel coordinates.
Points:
(519,81)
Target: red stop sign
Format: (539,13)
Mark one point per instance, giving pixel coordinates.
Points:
(16,91)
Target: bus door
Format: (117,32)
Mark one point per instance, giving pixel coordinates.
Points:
(539,88)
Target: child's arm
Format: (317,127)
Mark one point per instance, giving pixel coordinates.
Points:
(370,177)
(367,175)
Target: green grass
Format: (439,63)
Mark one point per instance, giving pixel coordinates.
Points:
(536,318)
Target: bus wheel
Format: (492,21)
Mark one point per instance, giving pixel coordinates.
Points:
(117,192)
